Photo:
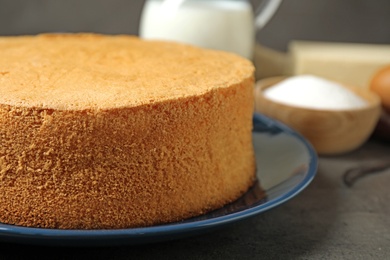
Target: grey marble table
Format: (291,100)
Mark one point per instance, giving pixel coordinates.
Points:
(328,220)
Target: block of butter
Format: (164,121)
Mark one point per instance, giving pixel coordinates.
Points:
(349,63)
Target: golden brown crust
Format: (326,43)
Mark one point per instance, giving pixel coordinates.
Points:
(137,164)
(88,71)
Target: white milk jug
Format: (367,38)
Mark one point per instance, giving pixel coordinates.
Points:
(228,25)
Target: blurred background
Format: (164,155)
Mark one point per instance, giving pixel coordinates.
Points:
(359,21)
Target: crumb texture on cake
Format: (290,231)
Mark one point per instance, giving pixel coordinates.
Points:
(115,132)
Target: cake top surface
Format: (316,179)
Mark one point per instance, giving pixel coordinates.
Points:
(82,71)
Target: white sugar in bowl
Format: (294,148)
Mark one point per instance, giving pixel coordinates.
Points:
(335,118)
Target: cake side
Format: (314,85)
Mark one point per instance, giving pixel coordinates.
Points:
(128,166)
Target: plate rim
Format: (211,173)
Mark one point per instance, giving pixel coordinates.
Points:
(26,233)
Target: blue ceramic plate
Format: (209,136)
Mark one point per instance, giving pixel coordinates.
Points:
(287,164)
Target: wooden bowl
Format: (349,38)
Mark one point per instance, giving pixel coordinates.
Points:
(329,131)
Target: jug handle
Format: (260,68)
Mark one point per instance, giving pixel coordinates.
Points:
(265,11)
